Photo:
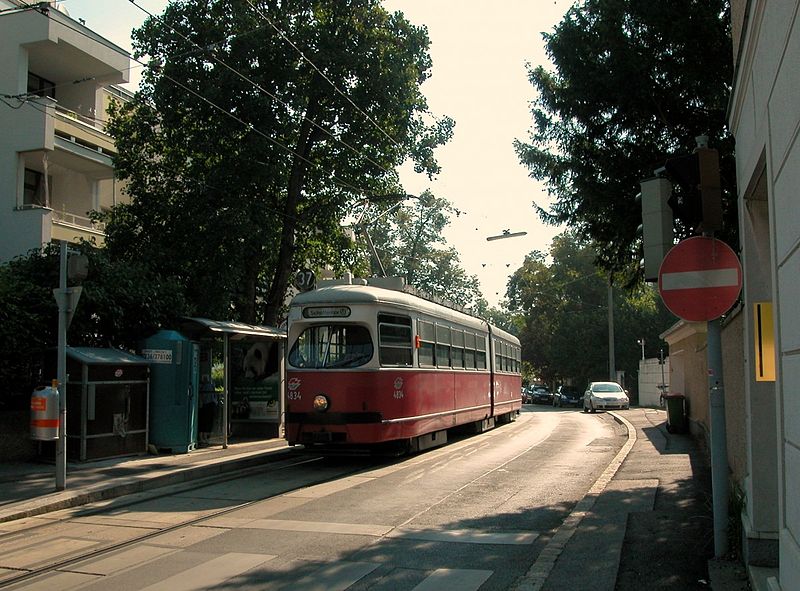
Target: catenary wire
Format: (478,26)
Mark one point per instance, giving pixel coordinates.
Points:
(248,126)
(38,107)
(320,72)
(261,89)
(27,99)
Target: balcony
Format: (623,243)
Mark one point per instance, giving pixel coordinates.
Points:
(72,228)
(83,131)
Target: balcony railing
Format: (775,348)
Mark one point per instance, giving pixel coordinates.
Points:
(72,219)
(94,122)
(83,131)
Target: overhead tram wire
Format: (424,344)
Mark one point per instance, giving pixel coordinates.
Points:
(246,125)
(24,8)
(27,96)
(321,73)
(261,89)
(31,101)
(38,107)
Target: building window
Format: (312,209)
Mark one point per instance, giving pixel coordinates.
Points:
(40,86)
(33,188)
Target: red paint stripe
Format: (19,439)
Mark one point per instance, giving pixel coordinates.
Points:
(44,423)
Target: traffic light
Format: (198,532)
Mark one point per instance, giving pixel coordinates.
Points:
(657,234)
(698,203)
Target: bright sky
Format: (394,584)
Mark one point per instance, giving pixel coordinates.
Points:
(479,50)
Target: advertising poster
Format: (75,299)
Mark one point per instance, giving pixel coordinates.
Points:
(255,380)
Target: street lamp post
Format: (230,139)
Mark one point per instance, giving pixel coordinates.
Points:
(641,343)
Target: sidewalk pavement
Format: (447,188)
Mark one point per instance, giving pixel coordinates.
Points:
(28,489)
(645,524)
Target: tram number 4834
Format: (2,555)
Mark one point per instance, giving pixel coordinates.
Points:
(398,394)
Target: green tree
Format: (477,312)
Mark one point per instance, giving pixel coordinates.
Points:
(410,244)
(240,155)
(121,303)
(564,310)
(633,83)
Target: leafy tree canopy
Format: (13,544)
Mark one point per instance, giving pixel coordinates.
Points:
(121,304)
(633,83)
(257,125)
(563,306)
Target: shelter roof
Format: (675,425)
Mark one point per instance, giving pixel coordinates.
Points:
(98,356)
(196,327)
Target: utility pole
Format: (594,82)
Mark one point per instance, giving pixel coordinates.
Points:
(67,300)
(612,363)
(63,315)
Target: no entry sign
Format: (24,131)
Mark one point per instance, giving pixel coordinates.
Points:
(700,279)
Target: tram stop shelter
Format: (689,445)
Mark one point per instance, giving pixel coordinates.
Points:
(252,401)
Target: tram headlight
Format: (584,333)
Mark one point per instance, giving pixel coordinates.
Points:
(321,403)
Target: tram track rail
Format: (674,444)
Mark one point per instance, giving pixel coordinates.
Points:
(459,446)
(63,564)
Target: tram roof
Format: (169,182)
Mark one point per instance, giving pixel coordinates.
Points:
(369,294)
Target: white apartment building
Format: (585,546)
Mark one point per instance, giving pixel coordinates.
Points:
(56,81)
(764,116)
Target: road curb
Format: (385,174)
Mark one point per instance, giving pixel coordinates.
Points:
(536,576)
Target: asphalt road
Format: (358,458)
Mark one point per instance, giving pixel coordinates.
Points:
(473,514)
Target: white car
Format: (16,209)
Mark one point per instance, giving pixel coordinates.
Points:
(605,395)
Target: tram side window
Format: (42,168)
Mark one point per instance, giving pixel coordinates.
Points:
(442,346)
(469,350)
(426,352)
(395,340)
(458,348)
(480,352)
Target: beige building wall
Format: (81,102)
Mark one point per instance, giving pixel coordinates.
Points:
(764,116)
(650,378)
(735,408)
(55,156)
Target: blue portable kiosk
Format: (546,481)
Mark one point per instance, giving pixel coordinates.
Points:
(174,390)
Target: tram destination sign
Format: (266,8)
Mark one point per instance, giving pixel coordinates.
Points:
(326,312)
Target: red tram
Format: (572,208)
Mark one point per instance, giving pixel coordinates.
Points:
(372,365)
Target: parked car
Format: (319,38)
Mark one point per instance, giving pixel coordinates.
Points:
(542,394)
(526,395)
(605,395)
(567,396)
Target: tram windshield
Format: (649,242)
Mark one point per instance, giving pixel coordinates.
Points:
(332,346)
